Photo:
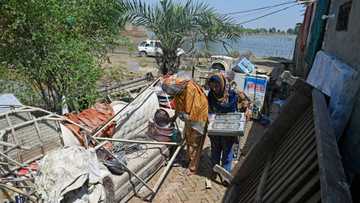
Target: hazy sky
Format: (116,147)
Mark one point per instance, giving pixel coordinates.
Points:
(282,20)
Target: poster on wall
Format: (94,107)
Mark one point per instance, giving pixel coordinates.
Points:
(255,88)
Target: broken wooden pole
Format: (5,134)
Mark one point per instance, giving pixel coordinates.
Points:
(7,144)
(166,171)
(137,141)
(12,160)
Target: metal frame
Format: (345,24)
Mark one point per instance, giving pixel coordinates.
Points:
(11,129)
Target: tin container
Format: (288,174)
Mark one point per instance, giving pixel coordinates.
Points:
(230,124)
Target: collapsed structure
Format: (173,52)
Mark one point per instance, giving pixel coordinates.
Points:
(45,156)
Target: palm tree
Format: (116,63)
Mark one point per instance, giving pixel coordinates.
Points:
(175,23)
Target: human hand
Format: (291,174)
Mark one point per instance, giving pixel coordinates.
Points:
(183,116)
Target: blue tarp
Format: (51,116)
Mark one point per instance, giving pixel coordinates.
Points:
(338,81)
(244,66)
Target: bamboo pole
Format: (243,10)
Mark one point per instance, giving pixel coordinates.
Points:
(12,160)
(7,144)
(137,141)
(166,171)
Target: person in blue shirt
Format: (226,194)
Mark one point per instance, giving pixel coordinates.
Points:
(222,99)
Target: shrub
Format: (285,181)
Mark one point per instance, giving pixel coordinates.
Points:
(58,46)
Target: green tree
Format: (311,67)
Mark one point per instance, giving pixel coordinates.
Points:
(272,30)
(290,31)
(297,28)
(174,23)
(58,46)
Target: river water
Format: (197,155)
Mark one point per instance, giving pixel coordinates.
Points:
(277,45)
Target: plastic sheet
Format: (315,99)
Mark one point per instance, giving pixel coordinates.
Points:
(338,81)
(68,174)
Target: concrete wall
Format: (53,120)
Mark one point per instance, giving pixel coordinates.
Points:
(346,46)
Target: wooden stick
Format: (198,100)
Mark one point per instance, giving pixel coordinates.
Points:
(7,144)
(16,179)
(14,189)
(167,169)
(12,160)
(137,141)
(26,123)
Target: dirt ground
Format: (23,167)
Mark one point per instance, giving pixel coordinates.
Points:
(180,188)
(123,66)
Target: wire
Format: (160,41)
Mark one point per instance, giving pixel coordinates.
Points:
(261,8)
(268,14)
(251,15)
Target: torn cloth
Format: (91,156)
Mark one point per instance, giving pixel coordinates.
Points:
(71,173)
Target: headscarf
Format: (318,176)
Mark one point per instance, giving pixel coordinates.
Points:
(173,86)
(219,80)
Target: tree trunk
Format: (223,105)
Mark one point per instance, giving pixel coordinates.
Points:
(168,62)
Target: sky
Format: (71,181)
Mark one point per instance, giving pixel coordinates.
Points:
(282,20)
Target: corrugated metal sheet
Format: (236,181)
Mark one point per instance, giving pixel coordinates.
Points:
(297,160)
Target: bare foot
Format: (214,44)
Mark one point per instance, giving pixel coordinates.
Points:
(189,172)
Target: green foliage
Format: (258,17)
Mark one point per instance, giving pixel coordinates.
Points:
(173,23)
(9,83)
(272,30)
(58,45)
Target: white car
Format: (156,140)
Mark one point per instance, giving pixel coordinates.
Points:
(152,48)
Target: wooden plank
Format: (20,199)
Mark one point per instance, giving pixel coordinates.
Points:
(297,105)
(26,123)
(38,132)
(13,136)
(334,187)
